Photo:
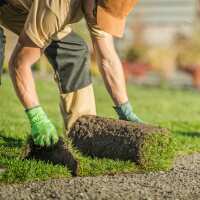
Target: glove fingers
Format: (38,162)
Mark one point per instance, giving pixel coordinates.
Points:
(135,118)
(44,133)
(51,138)
(47,140)
(54,139)
(35,135)
(39,140)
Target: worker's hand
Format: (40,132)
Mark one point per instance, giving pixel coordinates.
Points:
(125,112)
(42,130)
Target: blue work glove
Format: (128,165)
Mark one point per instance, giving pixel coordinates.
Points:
(125,112)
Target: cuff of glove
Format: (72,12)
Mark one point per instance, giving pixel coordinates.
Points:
(36,114)
(124,110)
(33,108)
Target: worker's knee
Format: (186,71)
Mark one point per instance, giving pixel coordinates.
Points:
(71,61)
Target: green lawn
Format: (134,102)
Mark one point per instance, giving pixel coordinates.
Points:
(177,110)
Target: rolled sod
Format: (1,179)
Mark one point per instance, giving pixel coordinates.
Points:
(148,146)
(58,154)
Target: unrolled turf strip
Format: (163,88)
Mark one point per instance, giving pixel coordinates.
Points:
(56,154)
(147,145)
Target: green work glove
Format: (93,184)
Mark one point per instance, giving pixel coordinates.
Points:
(125,112)
(42,130)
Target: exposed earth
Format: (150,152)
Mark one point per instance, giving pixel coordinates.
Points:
(182,182)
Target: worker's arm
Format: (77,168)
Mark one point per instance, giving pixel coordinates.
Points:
(111,69)
(24,56)
(26,53)
(43,22)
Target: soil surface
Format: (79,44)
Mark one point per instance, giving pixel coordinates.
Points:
(181,183)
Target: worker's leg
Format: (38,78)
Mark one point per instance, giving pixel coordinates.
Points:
(70,59)
(76,104)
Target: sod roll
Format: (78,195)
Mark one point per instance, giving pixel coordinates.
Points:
(148,146)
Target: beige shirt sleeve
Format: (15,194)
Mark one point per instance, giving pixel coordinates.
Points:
(94,29)
(45,20)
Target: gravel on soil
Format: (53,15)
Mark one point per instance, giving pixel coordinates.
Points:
(181,183)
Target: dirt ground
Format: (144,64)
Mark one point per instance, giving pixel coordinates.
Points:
(181,183)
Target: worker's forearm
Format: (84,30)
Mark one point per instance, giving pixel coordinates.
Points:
(111,68)
(22,79)
(113,75)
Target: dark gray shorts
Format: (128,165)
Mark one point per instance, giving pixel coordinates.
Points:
(71,61)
